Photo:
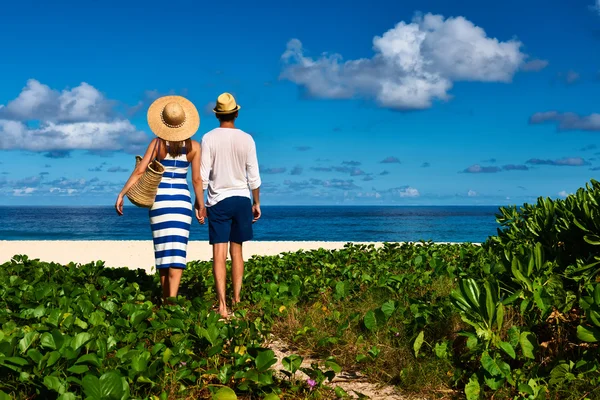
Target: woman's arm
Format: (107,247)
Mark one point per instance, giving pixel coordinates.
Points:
(197,181)
(137,173)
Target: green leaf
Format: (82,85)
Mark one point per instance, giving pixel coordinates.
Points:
(472,389)
(292,363)
(78,369)
(333,366)
(513,336)
(525,388)
(53,358)
(21,362)
(27,341)
(35,355)
(370,321)
(167,355)
(140,363)
(470,291)
(91,387)
(4,396)
(491,298)
(441,350)
(597,295)
(81,339)
(53,383)
(500,316)
(419,342)
(508,349)
(48,341)
(264,360)
(224,393)
(388,308)
(490,365)
(340,289)
(340,393)
(271,396)
(588,334)
(91,359)
(111,385)
(67,396)
(80,323)
(528,343)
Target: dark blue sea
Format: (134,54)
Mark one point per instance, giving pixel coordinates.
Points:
(278,223)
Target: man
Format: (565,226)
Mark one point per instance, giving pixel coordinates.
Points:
(229,169)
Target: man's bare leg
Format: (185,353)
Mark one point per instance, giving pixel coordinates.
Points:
(220,273)
(237,269)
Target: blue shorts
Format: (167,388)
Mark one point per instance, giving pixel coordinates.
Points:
(230,220)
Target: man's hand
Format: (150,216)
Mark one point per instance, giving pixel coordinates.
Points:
(256,212)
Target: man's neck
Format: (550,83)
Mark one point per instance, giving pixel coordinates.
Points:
(227,125)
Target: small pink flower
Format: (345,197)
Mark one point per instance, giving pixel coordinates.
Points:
(397,334)
(183,363)
(311,383)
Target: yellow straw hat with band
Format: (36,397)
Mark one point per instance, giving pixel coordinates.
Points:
(226,104)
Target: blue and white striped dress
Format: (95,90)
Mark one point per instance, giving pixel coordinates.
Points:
(171,214)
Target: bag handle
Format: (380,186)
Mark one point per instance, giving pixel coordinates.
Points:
(154,152)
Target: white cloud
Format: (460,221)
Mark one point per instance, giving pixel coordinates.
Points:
(472,193)
(405,191)
(77,119)
(414,64)
(534,65)
(39,102)
(115,135)
(563,193)
(568,120)
(24,191)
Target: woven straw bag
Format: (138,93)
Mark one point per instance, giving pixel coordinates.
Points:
(143,192)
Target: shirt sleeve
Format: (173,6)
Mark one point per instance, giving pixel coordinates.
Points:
(252,172)
(205,163)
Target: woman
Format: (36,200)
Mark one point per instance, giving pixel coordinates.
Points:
(174,120)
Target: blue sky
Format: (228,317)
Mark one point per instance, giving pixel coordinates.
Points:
(412,102)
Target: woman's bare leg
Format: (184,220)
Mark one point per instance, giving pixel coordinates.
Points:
(164,282)
(174,279)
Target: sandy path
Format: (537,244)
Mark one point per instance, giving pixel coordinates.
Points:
(137,254)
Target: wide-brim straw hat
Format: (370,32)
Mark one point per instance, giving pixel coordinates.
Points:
(173,118)
(226,104)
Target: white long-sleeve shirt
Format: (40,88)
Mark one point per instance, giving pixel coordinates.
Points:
(229,164)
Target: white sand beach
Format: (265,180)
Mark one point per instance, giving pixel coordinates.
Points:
(138,254)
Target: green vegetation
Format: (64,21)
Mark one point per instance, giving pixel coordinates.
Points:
(515,318)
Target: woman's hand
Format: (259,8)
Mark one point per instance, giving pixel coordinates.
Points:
(201,214)
(119,204)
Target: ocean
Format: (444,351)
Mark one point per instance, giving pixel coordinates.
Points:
(278,223)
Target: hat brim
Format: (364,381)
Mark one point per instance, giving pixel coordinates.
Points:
(158,127)
(220,112)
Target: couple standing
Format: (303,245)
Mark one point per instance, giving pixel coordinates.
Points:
(226,164)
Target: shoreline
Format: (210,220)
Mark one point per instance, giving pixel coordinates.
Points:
(134,254)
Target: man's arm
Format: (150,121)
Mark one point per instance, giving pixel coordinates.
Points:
(254,181)
(253,173)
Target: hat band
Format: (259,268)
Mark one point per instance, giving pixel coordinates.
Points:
(220,111)
(169,125)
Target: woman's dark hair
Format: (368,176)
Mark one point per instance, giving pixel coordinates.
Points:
(175,149)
